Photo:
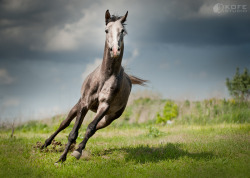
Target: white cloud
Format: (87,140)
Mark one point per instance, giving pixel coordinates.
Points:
(91,67)
(86,31)
(5,78)
(11,102)
(63,40)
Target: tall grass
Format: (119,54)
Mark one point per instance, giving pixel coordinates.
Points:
(142,112)
(213,111)
(210,111)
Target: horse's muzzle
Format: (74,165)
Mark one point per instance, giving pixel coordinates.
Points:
(115,54)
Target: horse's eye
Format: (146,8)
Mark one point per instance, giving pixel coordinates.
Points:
(122,31)
(106,31)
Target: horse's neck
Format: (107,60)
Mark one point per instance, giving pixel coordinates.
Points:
(110,65)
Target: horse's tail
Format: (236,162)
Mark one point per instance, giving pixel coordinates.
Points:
(137,81)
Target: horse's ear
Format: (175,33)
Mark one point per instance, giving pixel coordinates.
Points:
(107,16)
(123,19)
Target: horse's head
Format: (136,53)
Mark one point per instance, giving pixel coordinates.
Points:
(115,32)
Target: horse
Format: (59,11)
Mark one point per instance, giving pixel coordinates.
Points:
(105,91)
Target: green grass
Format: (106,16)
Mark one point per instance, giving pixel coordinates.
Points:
(220,150)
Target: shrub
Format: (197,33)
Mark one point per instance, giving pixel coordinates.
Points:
(169,112)
(239,85)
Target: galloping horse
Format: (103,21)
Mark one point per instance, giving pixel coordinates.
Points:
(104,91)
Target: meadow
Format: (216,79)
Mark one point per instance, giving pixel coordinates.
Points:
(207,138)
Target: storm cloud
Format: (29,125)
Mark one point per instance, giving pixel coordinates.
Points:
(185,48)
(31,28)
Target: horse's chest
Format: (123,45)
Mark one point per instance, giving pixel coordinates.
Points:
(109,89)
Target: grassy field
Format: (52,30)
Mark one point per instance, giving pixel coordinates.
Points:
(137,150)
(209,138)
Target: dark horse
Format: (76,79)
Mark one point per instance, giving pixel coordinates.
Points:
(104,91)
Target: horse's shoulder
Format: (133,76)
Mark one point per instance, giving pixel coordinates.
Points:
(91,82)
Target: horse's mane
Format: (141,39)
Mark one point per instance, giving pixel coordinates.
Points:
(114,18)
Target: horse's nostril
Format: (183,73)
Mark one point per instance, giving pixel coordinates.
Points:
(118,49)
(110,49)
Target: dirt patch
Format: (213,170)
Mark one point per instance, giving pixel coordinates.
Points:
(56,146)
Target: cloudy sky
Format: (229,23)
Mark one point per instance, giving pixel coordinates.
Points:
(185,48)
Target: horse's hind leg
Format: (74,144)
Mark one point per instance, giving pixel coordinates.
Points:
(65,123)
(108,119)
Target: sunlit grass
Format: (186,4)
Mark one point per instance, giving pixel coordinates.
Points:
(209,138)
(182,151)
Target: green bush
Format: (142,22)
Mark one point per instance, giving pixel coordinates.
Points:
(170,111)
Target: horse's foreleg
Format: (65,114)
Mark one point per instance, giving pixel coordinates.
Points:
(74,133)
(65,123)
(101,112)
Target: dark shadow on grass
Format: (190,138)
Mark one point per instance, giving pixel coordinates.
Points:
(145,153)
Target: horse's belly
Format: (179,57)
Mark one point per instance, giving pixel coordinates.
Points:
(94,107)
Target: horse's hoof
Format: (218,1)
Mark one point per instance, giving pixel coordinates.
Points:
(59,161)
(62,159)
(43,146)
(76,154)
